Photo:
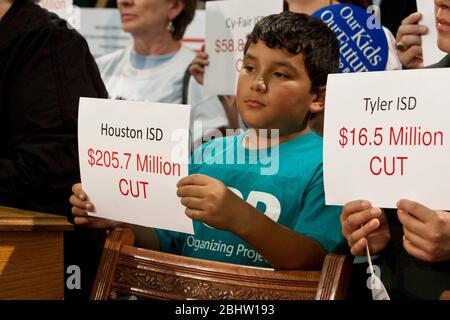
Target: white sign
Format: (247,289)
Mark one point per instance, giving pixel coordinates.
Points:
(431,53)
(132,154)
(386,138)
(103,31)
(194,37)
(65,10)
(56,5)
(227,26)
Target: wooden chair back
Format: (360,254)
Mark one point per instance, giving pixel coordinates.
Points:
(129,272)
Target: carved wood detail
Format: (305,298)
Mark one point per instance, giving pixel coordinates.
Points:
(149,282)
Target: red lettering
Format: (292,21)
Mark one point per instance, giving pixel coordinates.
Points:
(371,166)
(120,186)
(386,166)
(137,189)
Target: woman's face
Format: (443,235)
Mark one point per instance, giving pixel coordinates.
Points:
(142,16)
(442,11)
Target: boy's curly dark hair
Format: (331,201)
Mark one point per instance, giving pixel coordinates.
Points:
(300,33)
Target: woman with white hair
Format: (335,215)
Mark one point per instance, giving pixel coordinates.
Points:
(153,67)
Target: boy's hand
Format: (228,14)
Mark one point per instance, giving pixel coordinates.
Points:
(80,207)
(197,67)
(361,223)
(426,232)
(210,201)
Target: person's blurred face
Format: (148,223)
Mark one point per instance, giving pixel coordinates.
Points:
(442,11)
(142,16)
(4,7)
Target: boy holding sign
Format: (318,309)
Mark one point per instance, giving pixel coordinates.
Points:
(244,212)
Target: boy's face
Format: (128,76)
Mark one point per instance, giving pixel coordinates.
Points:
(442,11)
(274,89)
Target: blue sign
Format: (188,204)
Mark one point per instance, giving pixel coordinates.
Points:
(363,48)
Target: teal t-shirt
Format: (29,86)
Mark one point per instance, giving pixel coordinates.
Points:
(284,182)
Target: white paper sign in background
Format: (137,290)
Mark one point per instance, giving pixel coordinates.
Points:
(194,37)
(386,138)
(132,154)
(102,29)
(227,25)
(431,53)
(53,5)
(65,10)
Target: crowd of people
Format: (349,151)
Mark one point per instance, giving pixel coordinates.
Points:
(45,67)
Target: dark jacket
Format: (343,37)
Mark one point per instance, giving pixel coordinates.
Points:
(407,277)
(444,63)
(45,67)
